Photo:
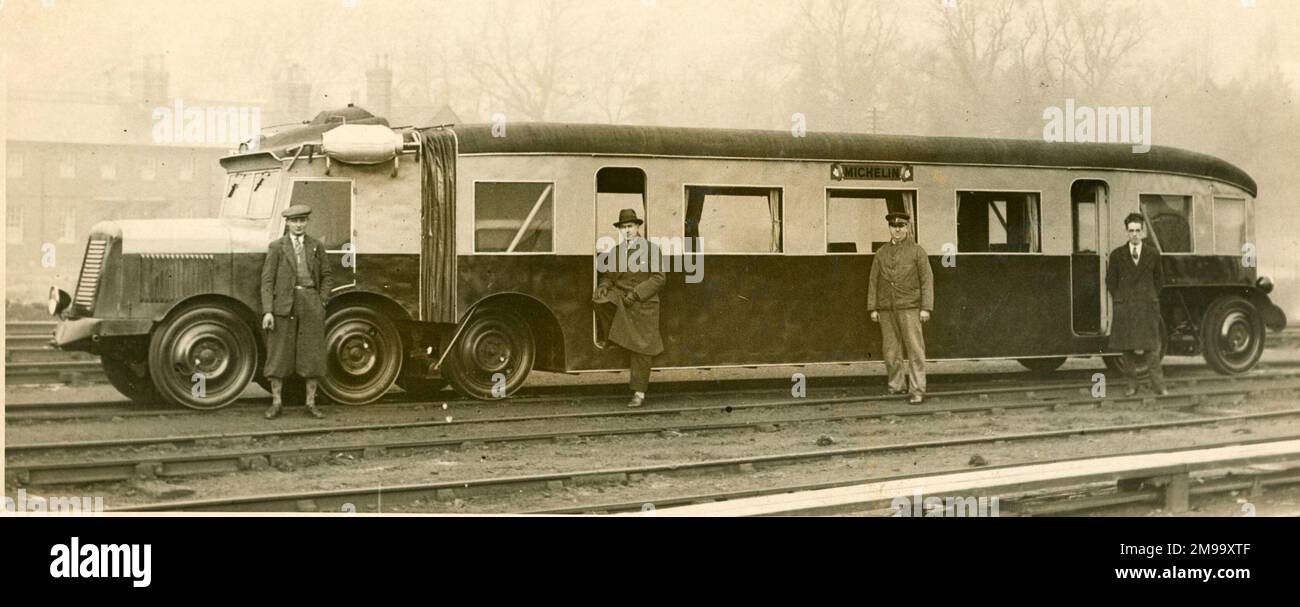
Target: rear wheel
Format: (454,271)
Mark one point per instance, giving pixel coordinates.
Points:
(493,355)
(363,355)
(1042,365)
(131,378)
(202,357)
(1232,335)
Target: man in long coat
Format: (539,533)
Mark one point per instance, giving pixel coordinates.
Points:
(627,301)
(900,296)
(1134,278)
(296,280)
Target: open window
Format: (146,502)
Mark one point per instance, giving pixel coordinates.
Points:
(730,219)
(618,188)
(998,222)
(855,219)
(1170,220)
(331,210)
(513,217)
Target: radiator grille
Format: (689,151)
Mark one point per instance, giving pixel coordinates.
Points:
(92,268)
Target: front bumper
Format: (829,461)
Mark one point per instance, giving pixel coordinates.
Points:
(83,333)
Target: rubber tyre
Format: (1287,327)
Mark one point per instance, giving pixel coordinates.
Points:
(1042,366)
(131,378)
(212,340)
(363,355)
(493,342)
(1232,335)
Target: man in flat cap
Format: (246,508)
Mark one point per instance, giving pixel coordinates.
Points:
(627,301)
(296,280)
(900,296)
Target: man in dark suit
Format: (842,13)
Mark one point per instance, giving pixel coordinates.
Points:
(296,280)
(1134,278)
(627,300)
(900,296)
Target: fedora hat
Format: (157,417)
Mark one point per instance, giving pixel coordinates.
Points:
(627,216)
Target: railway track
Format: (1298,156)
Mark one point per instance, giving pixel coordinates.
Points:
(25,467)
(358,499)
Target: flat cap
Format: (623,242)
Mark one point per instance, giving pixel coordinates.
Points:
(297,210)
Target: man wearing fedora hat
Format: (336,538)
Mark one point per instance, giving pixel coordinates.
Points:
(900,296)
(627,301)
(296,279)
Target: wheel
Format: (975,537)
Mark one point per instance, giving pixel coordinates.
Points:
(1232,335)
(206,340)
(420,386)
(363,355)
(131,378)
(1042,365)
(492,357)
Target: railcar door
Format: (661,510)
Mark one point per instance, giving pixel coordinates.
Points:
(331,221)
(1088,201)
(617,188)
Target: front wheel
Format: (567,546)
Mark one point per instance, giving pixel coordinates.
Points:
(1232,335)
(363,355)
(202,357)
(131,378)
(492,357)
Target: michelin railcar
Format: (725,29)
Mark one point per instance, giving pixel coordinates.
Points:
(467,254)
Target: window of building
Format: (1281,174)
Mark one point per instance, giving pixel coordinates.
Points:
(998,222)
(148,169)
(331,208)
(729,219)
(1169,219)
(68,224)
(855,219)
(13,223)
(513,217)
(108,170)
(14,165)
(68,166)
(1229,226)
(618,188)
(185,168)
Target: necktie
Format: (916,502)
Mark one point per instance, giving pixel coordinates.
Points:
(297,249)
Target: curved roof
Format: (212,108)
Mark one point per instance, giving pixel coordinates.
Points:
(560,138)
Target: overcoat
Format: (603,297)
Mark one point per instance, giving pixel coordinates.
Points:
(1135,291)
(297,343)
(636,325)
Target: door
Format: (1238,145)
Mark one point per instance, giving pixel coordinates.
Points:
(331,222)
(1088,201)
(617,188)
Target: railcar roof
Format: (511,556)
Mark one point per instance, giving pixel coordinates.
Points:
(560,138)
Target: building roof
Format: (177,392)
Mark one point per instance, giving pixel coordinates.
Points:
(560,138)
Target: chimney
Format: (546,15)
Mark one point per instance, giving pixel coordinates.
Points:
(379,88)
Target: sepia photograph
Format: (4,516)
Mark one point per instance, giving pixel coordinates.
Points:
(653,258)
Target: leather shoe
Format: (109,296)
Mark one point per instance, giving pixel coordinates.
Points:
(273,412)
(1163,392)
(1131,392)
(916,399)
(636,401)
(314,412)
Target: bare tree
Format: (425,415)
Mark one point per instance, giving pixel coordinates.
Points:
(1097,38)
(526,65)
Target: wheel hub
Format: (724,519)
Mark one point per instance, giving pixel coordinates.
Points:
(205,350)
(1235,334)
(492,352)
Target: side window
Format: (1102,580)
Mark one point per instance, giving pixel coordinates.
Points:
(998,222)
(855,219)
(261,194)
(1085,198)
(1170,221)
(1229,225)
(618,188)
(238,188)
(513,217)
(725,219)
(331,210)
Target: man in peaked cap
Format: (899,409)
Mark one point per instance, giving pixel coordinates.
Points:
(627,301)
(900,296)
(296,280)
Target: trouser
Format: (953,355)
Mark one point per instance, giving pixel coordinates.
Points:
(1152,359)
(639,364)
(900,332)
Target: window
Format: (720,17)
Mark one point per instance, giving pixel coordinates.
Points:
(618,188)
(998,222)
(13,224)
(331,209)
(1085,196)
(726,219)
(513,217)
(148,169)
(855,219)
(14,165)
(68,166)
(68,225)
(1169,218)
(108,170)
(250,195)
(1229,226)
(238,188)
